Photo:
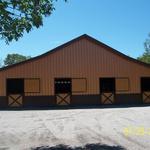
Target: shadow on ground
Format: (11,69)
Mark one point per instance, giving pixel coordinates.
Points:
(86,147)
(73,107)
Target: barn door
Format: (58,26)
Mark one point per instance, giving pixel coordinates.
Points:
(107,90)
(145,89)
(63,91)
(15,90)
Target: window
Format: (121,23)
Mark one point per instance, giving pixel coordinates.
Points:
(32,85)
(122,84)
(145,84)
(79,85)
(107,84)
(15,86)
(63,85)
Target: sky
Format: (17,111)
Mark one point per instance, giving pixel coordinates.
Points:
(121,24)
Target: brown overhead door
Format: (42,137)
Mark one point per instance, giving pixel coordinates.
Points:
(107,90)
(15,90)
(145,89)
(63,91)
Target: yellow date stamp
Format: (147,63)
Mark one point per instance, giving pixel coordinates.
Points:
(136,130)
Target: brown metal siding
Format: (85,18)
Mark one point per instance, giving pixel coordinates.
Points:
(81,59)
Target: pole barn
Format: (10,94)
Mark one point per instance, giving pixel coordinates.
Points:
(82,71)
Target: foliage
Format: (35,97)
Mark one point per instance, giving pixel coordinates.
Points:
(19,16)
(146,55)
(14,58)
(1,63)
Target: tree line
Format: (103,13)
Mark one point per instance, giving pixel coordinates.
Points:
(13,59)
(145,57)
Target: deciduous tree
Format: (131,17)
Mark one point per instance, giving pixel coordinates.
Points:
(19,16)
(146,55)
(14,58)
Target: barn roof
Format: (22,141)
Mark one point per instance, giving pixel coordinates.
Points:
(84,36)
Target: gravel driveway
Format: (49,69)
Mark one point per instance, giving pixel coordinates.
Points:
(104,128)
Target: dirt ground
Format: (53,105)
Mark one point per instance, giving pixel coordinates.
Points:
(105,128)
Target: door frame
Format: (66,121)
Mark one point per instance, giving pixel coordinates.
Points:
(15,93)
(60,95)
(143,92)
(113,92)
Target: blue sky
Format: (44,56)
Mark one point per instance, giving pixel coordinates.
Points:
(121,24)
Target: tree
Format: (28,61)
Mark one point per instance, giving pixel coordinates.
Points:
(19,16)
(1,63)
(14,58)
(146,55)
